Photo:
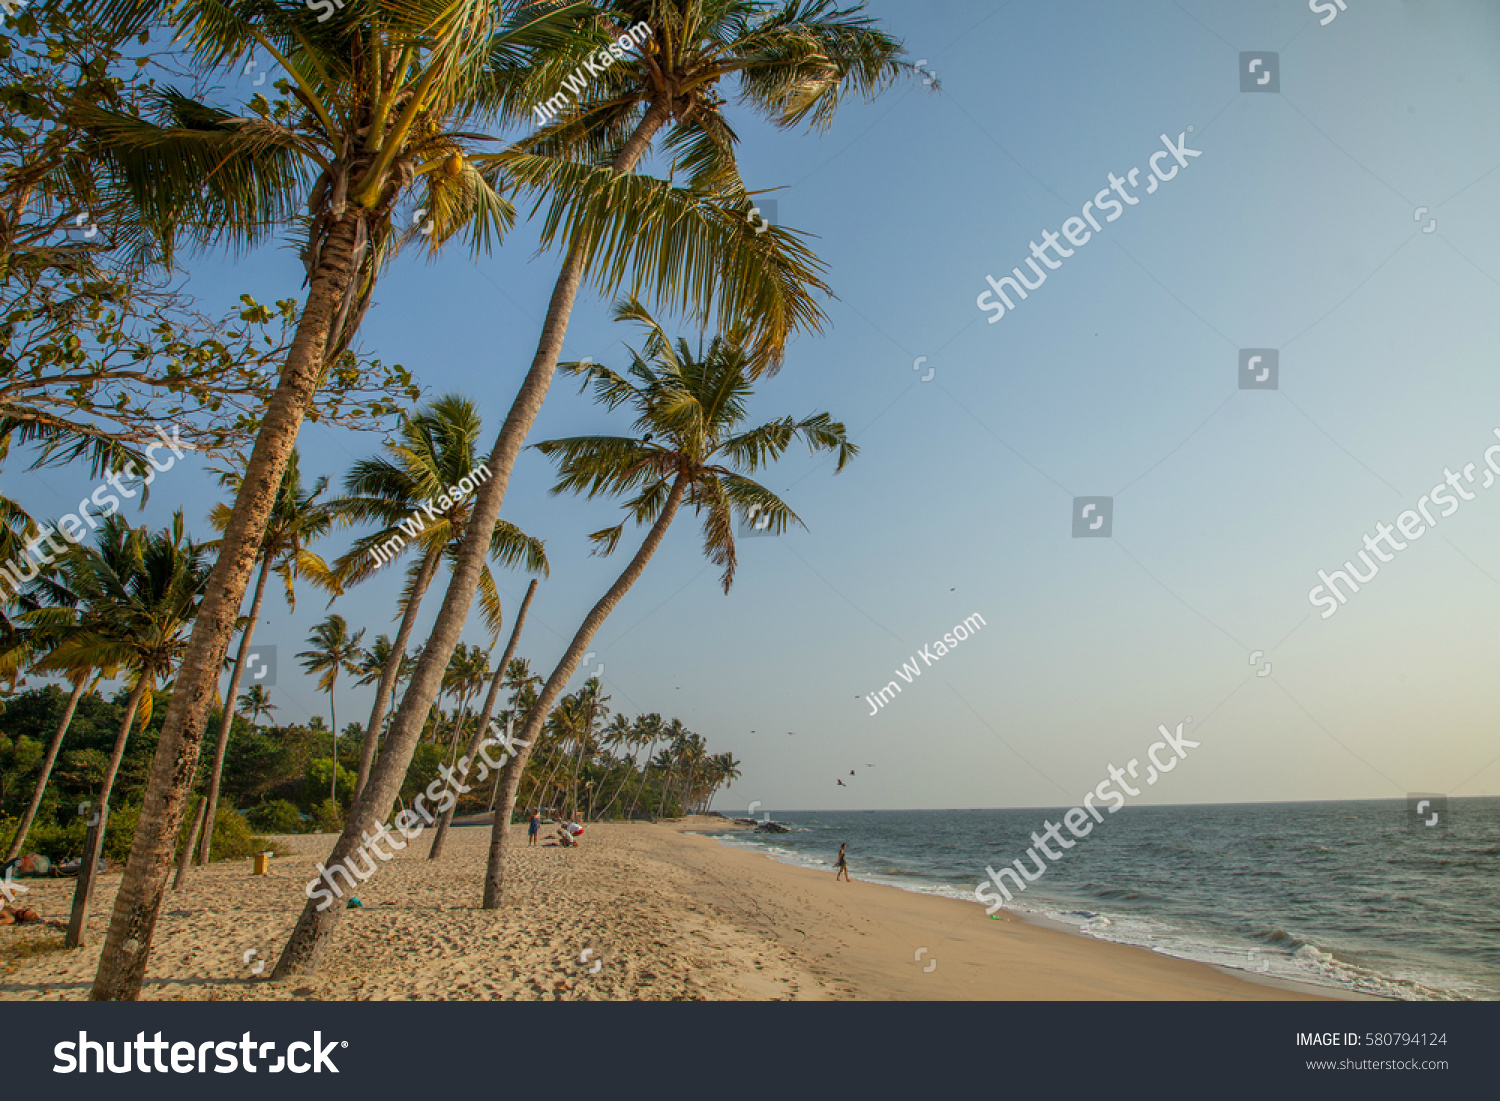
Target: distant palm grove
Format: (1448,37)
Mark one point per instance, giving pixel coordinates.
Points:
(133,729)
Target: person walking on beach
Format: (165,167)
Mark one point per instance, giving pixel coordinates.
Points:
(533,829)
(842,865)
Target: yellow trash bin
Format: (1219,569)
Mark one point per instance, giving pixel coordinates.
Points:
(262,864)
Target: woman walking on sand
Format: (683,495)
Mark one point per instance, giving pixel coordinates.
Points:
(842,865)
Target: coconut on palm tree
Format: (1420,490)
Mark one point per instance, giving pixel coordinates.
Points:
(691,446)
(334,651)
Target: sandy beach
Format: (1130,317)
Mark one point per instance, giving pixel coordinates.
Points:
(636,912)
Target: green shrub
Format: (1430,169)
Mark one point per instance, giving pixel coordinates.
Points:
(327,818)
(233,839)
(278,816)
(58,843)
(320,776)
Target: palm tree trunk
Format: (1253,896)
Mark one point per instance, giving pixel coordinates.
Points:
(187,850)
(635,801)
(77,922)
(127,949)
(387,684)
(206,841)
(314,927)
(494,880)
(333,716)
(24,828)
(625,779)
(484,719)
(458,728)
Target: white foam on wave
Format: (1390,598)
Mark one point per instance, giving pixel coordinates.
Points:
(1307,964)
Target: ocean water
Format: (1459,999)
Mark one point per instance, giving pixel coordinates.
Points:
(1354,895)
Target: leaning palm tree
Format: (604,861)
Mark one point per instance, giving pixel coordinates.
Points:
(793,64)
(689,410)
(469,669)
(297,519)
(380,103)
(726,770)
(257,701)
(124,603)
(81,679)
(505,671)
(382,96)
(652,731)
(334,651)
(420,496)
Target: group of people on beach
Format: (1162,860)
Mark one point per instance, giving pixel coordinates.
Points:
(568,834)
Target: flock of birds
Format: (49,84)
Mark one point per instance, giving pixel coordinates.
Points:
(840,783)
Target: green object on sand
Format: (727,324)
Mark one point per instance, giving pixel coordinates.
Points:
(354,904)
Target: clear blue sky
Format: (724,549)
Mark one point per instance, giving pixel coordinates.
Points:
(1294,230)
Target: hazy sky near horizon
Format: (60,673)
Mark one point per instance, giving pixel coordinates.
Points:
(1295,230)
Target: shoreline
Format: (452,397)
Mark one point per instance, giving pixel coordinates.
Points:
(639,911)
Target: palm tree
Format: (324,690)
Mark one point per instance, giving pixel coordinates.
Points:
(379,101)
(693,406)
(652,731)
(80,679)
(432,460)
(692,247)
(334,650)
(621,734)
(257,701)
(688,753)
(726,770)
(123,603)
(523,685)
(297,519)
(505,670)
(468,669)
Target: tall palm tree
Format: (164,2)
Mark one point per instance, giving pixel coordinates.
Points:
(469,668)
(334,651)
(505,670)
(691,247)
(257,701)
(124,603)
(297,519)
(689,408)
(726,770)
(433,454)
(524,686)
(652,730)
(80,679)
(381,102)
(621,734)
